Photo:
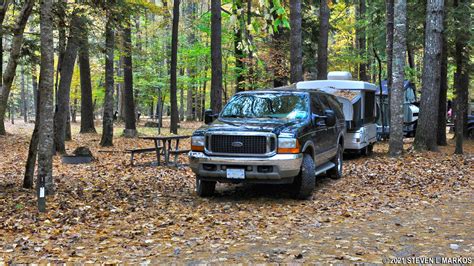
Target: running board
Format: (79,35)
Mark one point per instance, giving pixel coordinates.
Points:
(324,167)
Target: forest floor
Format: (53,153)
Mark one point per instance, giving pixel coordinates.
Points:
(421,204)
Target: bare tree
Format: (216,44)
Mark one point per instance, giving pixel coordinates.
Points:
(191,70)
(443,92)
(3,11)
(361,41)
(238,41)
(461,80)
(129,104)
(63,94)
(33,148)
(174,63)
(296,45)
(108,117)
(398,65)
(87,107)
(389,6)
(10,71)
(23,94)
(324,14)
(216,56)
(426,131)
(45,132)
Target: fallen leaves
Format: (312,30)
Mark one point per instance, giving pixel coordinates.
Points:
(108,211)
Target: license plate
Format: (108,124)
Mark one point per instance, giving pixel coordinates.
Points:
(235,173)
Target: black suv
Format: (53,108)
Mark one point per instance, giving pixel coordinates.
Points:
(278,136)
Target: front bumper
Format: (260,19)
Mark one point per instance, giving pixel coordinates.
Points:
(280,168)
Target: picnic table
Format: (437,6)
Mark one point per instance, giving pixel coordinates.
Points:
(166,148)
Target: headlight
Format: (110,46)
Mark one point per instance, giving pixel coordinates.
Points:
(197,143)
(288,145)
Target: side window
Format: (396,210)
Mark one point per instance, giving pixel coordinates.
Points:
(336,106)
(316,105)
(325,101)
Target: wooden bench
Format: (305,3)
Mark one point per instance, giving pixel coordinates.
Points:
(176,153)
(143,150)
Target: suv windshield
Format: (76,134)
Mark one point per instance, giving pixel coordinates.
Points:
(267,105)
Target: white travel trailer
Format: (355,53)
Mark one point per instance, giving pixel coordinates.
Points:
(359,106)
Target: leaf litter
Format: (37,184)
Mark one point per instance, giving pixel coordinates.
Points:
(111,212)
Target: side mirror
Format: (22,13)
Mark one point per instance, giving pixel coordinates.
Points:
(208,117)
(330,118)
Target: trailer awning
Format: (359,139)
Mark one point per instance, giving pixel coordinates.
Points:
(336,84)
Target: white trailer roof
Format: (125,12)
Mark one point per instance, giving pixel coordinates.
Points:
(336,84)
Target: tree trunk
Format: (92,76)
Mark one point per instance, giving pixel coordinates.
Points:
(411,57)
(46,110)
(108,117)
(216,57)
(203,104)
(461,77)
(324,14)
(191,70)
(24,101)
(181,98)
(120,91)
(130,120)
(174,62)
(443,91)
(426,131)
(67,70)
(396,101)
(251,61)
(33,149)
(15,52)
(296,49)
(68,136)
(74,108)
(87,110)
(389,5)
(3,10)
(61,17)
(361,42)
(238,42)
(34,85)
(190,96)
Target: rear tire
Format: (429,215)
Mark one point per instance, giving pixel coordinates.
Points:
(305,182)
(205,188)
(336,171)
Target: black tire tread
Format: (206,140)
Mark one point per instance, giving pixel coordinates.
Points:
(333,172)
(306,181)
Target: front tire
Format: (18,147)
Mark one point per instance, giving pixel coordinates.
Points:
(306,180)
(336,171)
(205,188)
(470,134)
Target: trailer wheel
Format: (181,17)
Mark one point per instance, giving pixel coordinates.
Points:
(367,150)
(370,149)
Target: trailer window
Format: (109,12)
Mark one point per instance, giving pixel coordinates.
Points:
(369,112)
(357,119)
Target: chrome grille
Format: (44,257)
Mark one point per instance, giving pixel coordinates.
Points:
(240,144)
